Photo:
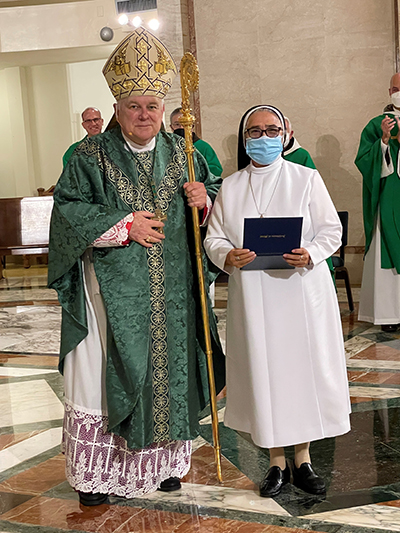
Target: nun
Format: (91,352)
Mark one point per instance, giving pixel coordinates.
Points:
(286,368)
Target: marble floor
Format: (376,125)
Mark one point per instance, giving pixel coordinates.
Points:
(361,469)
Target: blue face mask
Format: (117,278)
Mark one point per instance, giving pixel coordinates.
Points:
(264,150)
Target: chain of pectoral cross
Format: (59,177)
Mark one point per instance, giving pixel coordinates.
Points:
(159,214)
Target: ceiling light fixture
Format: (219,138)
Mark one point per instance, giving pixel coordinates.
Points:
(154,24)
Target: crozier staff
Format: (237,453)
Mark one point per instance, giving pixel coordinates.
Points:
(282,389)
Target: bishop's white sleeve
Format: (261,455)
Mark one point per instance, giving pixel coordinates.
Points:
(325,221)
(216,243)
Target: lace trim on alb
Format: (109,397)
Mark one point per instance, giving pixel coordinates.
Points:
(97,461)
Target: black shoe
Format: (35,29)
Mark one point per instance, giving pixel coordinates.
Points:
(170,484)
(273,482)
(389,328)
(92,498)
(306,479)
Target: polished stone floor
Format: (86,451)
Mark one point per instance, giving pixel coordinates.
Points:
(362,468)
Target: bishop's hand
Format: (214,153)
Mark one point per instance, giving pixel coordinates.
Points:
(144,229)
(196,194)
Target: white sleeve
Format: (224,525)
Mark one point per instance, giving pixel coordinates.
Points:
(216,243)
(326,223)
(387,168)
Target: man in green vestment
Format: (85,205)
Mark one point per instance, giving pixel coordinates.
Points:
(378,161)
(121,260)
(92,123)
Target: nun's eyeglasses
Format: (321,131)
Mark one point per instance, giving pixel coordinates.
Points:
(256,133)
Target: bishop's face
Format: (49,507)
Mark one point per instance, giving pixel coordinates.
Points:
(140,117)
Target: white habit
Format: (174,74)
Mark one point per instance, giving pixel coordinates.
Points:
(286,368)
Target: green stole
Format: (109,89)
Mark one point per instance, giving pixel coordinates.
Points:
(156,368)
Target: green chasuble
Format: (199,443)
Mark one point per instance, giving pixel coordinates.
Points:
(156,379)
(382,192)
(210,156)
(70,151)
(302,157)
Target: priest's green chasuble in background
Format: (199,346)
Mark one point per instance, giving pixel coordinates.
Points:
(382,192)
(301,157)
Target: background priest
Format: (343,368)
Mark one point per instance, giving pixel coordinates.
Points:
(378,162)
(92,123)
(121,262)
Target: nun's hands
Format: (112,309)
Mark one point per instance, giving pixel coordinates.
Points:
(298,258)
(239,257)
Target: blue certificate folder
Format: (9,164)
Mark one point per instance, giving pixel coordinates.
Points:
(270,238)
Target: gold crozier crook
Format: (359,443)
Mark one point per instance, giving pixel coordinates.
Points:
(189,83)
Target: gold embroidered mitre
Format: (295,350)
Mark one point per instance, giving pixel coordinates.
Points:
(140,65)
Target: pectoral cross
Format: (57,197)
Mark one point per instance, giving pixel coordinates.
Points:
(161,217)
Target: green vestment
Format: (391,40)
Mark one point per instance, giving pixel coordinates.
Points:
(210,156)
(70,151)
(382,192)
(156,369)
(301,157)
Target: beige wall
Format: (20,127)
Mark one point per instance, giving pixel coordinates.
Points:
(169,15)
(41,104)
(50,131)
(325,64)
(7,182)
(40,116)
(16,148)
(55,26)
(87,88)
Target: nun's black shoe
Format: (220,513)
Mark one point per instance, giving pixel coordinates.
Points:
(305,478)
(274,480)
(170,484)
(389,328)
(92,498)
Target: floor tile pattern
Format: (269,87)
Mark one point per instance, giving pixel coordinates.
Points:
(361,469)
